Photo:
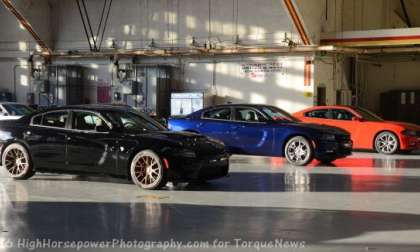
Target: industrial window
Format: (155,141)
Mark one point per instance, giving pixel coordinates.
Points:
(218,114)
(323,113)
(340,114)
(55,119)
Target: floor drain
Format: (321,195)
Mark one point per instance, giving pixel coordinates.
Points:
(152,197)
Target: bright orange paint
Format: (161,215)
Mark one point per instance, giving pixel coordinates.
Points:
(363,132)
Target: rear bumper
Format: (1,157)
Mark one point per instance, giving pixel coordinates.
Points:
(331,149)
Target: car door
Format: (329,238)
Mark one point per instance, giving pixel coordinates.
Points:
(344,119)
(47,139)
(91,145)
(216,123)
(251,132)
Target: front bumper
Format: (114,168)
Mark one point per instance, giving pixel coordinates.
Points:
(333,149)
(205,168)
(409,142)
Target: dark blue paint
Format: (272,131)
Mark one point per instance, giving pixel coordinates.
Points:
(261,138)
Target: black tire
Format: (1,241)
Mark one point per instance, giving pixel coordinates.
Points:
(387,143)
(147,171)
(298,151)
(326,160)
(17,162)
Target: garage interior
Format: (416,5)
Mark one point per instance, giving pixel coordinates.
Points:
(158,55)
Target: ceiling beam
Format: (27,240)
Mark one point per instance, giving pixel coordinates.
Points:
(46,51)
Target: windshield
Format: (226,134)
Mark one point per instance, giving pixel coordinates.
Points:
(277,114)
(134,121)
(17,109)
(368,115)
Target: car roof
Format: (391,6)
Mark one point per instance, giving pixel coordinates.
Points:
(237,105)
(328,107)
(94,107)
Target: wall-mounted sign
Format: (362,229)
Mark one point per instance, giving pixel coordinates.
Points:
(258,69)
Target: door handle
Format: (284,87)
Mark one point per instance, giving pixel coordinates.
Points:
(68,138)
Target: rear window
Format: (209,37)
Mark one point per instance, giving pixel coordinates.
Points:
(55,119)
(323,113)
(218,114)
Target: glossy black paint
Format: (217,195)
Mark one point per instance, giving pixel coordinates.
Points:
(66,150)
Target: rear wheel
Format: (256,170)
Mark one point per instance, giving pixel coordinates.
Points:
(386,143)
(147,170)
(17,162)
(298,151)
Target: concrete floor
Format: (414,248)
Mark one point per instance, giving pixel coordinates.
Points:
(362,203)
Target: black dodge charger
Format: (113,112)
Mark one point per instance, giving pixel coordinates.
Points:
(94,139)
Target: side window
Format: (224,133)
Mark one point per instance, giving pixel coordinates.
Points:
(341,114)
(323,113)
(37,120)
(219,114)
(86,121)
(55,119)
(248,115)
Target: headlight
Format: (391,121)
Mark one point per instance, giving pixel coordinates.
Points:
(328,137)
(409,133)
(217,141)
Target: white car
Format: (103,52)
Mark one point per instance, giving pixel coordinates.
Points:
(13,110)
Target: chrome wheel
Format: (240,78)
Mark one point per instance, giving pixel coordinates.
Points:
(386,143)
(147,170)
(16,161)
(298,151)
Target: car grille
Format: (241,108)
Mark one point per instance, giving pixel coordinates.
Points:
(342,138)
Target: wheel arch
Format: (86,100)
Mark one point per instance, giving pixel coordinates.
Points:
(295,134)
(135,151)
(382,131)
(17,141)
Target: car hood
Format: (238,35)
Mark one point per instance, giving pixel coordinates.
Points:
(320,128)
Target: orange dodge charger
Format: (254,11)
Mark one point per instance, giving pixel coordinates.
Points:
(368,131)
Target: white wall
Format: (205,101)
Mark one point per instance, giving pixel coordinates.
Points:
(134,23)
(228,82)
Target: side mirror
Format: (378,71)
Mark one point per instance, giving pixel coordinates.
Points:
(356,119)
(102,129)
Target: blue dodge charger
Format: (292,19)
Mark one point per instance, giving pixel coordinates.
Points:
(267,131)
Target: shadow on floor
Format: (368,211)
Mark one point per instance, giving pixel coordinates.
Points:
(100,221)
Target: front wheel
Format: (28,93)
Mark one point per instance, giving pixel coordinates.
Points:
(147,170)
(17,162)
(298,151)
(386,143)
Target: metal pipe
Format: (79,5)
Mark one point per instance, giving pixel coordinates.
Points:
(193,52)
(25,23)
